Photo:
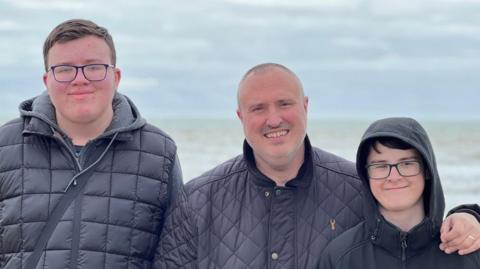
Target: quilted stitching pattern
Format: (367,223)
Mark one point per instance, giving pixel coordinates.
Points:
(122,208)
(233,223)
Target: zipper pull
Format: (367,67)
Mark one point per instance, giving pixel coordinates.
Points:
(72,182)
(403,245)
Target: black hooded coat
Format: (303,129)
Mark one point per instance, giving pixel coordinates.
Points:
(377,243)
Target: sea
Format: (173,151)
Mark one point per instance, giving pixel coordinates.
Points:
(205,143)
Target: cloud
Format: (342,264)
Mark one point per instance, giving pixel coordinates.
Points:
(298,3)
(9,25)
(51,5)
(399,63)
(190,53)
(137,84)
(351,42)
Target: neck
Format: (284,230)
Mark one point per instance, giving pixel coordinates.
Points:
(82,132)
(282,171)
(406,219)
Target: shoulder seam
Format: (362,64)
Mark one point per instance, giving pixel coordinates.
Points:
(212,180)
(336,171)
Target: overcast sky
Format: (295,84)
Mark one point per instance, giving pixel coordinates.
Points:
(185,58)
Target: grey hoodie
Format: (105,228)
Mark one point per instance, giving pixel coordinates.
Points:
(116,219)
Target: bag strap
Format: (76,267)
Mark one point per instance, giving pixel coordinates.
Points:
(79,181)
(54,218)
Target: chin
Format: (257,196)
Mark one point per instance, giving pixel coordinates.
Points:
(277,153)
(395,206)
(83,118)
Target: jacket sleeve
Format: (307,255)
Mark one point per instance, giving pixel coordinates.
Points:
(177,244)
(472,209)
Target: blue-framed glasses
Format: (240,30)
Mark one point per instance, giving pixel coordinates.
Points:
(68,73)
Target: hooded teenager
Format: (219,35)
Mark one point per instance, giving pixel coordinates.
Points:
(395,161)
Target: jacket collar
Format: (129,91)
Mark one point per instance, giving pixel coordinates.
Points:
(303,178)
(387,236)
(39,115)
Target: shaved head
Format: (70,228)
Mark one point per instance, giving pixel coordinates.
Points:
(264,69)
(273,111)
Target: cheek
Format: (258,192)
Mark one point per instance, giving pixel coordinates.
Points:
(252,124)
(419,187)
(376,189)
(56,92)
(295,116)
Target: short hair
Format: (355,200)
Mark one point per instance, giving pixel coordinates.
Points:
(266,67)
(74,29)
(397,143)
(371,144)
(389,142)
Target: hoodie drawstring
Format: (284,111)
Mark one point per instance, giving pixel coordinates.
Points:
(73,181)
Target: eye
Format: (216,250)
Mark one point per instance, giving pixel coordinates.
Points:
(256,108)
(64,69)
(409,163)
(94,67)
(380,166)
(285,103)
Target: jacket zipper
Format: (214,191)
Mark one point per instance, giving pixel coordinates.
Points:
(77,202)
(76,205)
(73,181)
(403,245)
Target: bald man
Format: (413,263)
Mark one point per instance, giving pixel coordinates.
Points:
(279,203)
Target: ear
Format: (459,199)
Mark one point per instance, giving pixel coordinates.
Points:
(118,75)
(239,114)
(305,103)
(45,79)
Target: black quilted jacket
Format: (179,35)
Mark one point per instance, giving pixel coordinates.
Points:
(115,222)
(235,217)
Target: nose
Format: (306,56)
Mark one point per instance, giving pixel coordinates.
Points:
(274,119)
(394,174)
(80,78)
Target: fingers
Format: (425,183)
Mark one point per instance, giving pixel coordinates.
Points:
(452,234)
(459,243)
(460,233)
(474,246)
(446,227)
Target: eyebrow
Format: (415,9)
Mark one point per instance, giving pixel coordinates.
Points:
(413,158)
(255,105)
(89,61)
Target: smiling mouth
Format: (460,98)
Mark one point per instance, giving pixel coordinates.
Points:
(276,134)
(80,93)
(397,188)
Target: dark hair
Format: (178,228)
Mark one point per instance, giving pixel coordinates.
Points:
(389,142)
(396,143)
(74,29)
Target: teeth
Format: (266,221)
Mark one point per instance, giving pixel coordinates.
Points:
(276,134)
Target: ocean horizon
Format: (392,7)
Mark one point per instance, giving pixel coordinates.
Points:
(204,143)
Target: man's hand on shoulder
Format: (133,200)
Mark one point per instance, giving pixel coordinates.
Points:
(460,232)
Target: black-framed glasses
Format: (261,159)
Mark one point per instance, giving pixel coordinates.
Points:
(405,168)
(68,73)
